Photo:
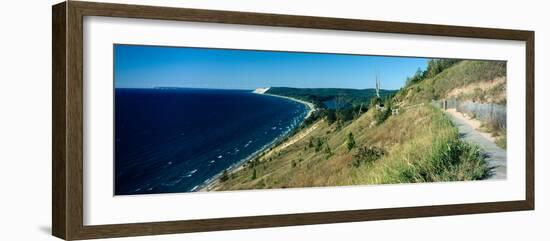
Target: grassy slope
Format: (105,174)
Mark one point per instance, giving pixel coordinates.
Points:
(420,143)
(461,75)
(480,81)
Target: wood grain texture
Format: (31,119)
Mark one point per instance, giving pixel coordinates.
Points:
(74,121)
(67,153)
(279,20)
(59,191)
(155,228)
(530,120)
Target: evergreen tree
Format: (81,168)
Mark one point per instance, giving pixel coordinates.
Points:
(254,174)
(331,117)
(351,141)
(318,145)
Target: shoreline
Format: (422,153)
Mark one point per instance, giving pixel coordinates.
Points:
(212,182)
(309,105)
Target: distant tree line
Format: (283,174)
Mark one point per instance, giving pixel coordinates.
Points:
(318,96)
(349,104)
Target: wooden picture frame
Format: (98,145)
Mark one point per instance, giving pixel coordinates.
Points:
(67,149)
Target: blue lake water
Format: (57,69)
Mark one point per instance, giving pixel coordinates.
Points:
(174,140)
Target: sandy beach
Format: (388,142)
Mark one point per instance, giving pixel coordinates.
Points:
(310,106)
(211,184)
(263,91)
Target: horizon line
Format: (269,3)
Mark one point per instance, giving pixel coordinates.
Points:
(182,87)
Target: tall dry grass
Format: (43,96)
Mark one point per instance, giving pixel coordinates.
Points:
(435,154)
(420,145)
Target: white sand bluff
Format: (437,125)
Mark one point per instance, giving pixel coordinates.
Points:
(260,90)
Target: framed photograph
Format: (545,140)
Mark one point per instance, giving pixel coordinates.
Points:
(171,120)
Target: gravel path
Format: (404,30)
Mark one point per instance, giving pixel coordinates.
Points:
(494,155)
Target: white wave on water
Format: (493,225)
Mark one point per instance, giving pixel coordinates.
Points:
(285,131)
(168,164)
(190,173)
(176,180)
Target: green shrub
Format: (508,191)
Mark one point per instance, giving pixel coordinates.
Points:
(225,176)
(318,145)
(374,102)
(328,151)
(367,155)
(350,142)
(449,160)
(383,114)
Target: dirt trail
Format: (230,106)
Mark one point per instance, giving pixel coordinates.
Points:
(296,138)
(494,155)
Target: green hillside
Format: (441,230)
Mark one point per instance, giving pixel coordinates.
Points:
(478,80)
(418,143)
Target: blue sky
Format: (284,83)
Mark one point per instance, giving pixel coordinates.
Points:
(150,66)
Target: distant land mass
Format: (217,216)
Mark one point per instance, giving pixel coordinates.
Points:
(320,97)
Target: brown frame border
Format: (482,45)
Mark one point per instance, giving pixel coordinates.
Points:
(67,123)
